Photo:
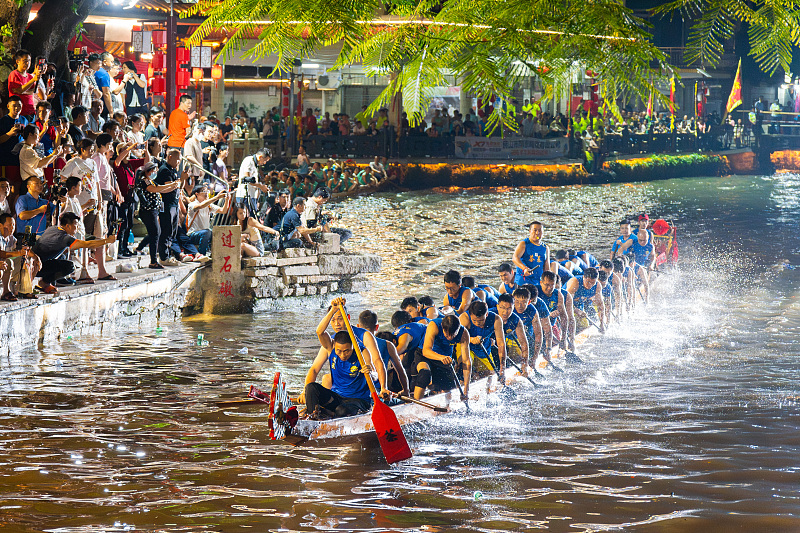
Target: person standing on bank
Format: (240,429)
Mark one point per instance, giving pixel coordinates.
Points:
(135,87)
(179,122)
(169,217)
(151,206)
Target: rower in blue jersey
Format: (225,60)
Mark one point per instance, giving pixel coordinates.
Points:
(417,311)
(486,338)
(563,272)
(562,324)
(482,292)
(584,293)
(531,257)
(576,259)
(365,339)
(410,336)
(395,370)
(544,313)
(570,324)
(644,258)
(621,277)
(434,366)
(458,297)
(349,393)
(588,259)
(428,308)
(614,283)
(534,327)
(625,236)
(507,283)
(605,293)
(573,267)
(513,329)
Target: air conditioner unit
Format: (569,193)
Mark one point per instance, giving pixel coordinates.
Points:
(328,82)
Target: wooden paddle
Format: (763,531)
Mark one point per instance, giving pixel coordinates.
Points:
(506,388)
(522,373)
(436,408)
(390,434)
(533,367)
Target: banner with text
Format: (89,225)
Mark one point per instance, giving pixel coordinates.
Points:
(511,148)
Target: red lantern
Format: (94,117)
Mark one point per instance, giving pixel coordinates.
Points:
(183,55)
(158,61)
(159,38)
(159,85)
(182,78)
(285,112)
(197,73)
(216,72)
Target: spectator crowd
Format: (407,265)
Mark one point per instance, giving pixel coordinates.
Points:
(80,163)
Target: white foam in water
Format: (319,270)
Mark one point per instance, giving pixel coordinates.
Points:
(243,351)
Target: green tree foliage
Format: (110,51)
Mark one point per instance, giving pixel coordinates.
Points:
(773,29)
(489,45)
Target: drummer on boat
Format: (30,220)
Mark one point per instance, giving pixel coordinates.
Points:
(532,257)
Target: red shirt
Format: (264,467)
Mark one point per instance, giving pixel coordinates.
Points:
(311,124)
(15,82)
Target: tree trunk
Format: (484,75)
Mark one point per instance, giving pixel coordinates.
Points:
(54,26)
(13,19)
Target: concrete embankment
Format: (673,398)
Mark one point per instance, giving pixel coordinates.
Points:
(224,286)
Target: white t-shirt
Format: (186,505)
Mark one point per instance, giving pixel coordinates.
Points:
(200,219)
(8,244)
(87,172)
(4,207)
(248,168)
(117,100)
(73,205)
(310,212)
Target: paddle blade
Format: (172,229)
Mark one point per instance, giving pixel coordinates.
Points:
(390,434)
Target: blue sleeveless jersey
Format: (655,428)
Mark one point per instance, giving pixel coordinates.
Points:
(620,241)
(593,262)
(455,303)
(510,325)
(491,299)
(576,269)
(533,257)
(441,345)
(606,292)
(526,317)
(642,254)
(347,379)
(578,261)
(583,295)
(510,288)
(485,333)
(564,274)
(384,351)
(550,301)
(359,333)
(417,333)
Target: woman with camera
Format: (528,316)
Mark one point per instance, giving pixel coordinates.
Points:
(151,205)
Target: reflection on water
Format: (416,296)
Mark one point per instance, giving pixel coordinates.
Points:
(683,419)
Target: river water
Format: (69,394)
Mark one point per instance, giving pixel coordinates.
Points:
(683,419)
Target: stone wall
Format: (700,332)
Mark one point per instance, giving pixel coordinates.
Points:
(302,272)
(135,299)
